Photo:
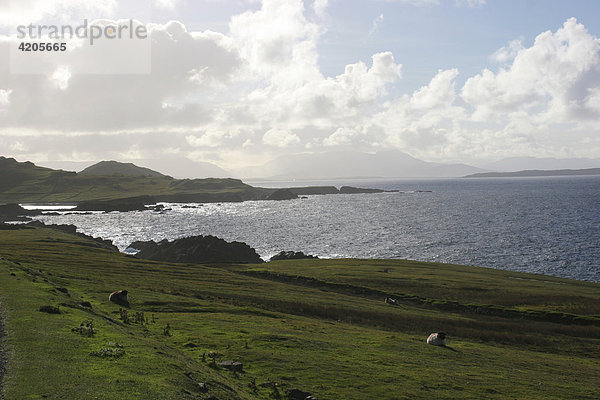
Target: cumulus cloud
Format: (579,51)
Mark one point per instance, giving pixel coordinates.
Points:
(557,74)
(280,138)
(507,53)
(258,90)
(16,12)
(342,136)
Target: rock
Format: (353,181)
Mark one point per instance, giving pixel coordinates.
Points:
(231,365)
(292,255)
(196,250)
(297,394)
(14,212)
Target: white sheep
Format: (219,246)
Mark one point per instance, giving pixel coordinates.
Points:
(437,339)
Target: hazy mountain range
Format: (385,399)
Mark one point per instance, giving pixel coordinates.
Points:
(514,164)
(353,164)
(349,164)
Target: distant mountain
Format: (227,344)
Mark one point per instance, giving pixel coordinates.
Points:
(182,167)
(533,173)
(514,164)
(353,164)
(118,168)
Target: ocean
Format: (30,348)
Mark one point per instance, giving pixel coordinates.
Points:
(542,225)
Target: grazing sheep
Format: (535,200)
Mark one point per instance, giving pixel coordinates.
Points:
(437,339)
(392,301)
(119,297)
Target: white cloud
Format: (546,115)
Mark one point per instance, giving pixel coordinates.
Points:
(258,90)
(342,136)
(509,52)
(60,77)
(16,12)
(277,43)
(441,91)
(554,74)
(470,3)
(4,97)
(418,3)
(376,23)
(166,4)
(280,138)
(319,6)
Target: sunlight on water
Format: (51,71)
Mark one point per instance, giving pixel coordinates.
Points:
(549,226)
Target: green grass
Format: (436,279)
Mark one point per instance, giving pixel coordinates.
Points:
(25,182)
(318,325)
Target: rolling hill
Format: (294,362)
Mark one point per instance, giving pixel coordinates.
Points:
(317,326)
(26,182)
(118,168)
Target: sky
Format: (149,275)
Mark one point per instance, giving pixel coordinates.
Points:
(238,83)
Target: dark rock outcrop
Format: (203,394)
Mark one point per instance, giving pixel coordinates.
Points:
(197,249)
(14,212)
(353,190)
(312,190)
(282,194)
(123,205)
(297,394)
(232,365)
(292,255)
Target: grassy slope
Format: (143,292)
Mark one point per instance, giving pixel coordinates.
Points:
(25,182)
(327,332)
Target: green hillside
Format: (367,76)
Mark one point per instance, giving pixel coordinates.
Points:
(317,325)
(119,168)
(24,182)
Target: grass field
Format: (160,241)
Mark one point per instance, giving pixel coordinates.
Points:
(317,325)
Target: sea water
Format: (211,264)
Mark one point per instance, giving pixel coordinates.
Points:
(540,225)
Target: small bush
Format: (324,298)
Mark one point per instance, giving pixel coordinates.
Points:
(108,352)
(50,309)
(86,328)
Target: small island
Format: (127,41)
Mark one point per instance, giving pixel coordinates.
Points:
(537,173)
